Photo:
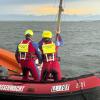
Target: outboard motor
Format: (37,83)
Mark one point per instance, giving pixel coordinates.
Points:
(3,72)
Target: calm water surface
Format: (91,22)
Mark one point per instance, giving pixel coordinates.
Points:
(80,53)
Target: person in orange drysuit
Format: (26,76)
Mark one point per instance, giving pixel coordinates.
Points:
(26,54)
(49,51)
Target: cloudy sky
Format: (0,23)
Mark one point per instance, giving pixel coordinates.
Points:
(47,9)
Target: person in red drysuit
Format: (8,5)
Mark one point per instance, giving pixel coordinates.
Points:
(49,51)
(26,54)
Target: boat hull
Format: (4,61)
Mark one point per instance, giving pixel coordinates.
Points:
(86,87)
(90,94)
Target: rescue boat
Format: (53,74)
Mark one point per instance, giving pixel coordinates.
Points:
(84,87)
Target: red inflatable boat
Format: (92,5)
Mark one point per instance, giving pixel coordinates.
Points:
(85,87)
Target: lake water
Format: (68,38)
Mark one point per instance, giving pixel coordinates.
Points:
(80,53)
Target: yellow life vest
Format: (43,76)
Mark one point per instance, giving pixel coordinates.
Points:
(48,48)
(23,47)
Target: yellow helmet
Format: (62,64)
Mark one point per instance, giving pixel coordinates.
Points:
(47,34)
(29,31)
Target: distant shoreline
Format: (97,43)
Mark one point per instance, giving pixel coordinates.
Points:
(48,21)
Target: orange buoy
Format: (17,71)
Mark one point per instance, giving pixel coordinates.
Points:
(7,60)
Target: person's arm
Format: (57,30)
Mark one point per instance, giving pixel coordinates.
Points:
(16,55)
(38,52)
(58,40)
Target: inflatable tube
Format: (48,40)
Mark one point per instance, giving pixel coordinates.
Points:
(85,87)
(7,60)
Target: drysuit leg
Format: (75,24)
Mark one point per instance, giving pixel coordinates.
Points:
(25,73)
(56,71)
(55,75)
(34,71)
(44,75)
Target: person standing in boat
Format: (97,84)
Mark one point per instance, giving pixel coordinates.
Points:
(26,54)
(50,59)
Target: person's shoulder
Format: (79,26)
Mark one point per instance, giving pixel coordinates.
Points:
(35,44)
(40,42)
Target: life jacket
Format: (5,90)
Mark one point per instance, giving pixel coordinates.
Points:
(49,51)
(26,50)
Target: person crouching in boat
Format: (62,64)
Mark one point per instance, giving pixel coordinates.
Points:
(49,50)
(26,54)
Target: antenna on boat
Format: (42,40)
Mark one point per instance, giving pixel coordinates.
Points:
(59,16)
